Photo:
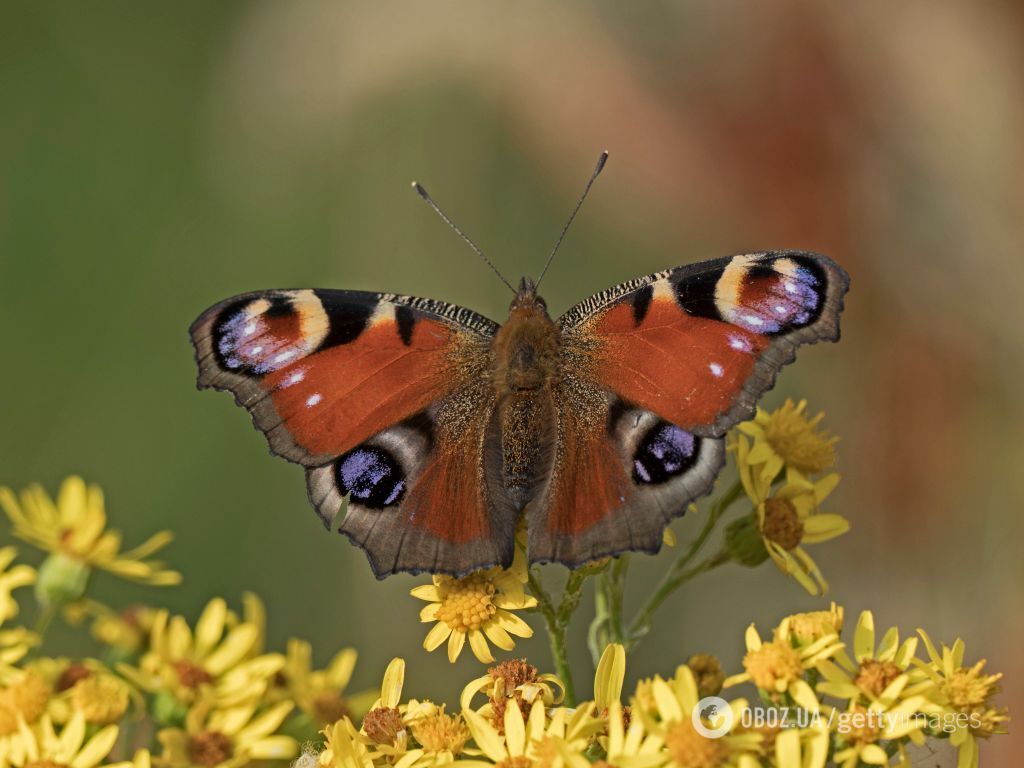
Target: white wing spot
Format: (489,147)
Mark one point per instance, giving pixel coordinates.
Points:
(250,329)
(294,378)
(255,350)
(313,399)
(716,369)
(285,356)
(754,320)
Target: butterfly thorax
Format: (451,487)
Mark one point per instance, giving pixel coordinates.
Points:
(526,347)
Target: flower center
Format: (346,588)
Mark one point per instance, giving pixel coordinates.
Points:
(814,625)
(102,699)
(329,707)
(210,748)
(772,663)
(781,523)
(797,440)
(689,748)
(863,725)
(969,687)
(707,671)
(383,725)
(191,675)
(441,733)
(72,675)
(466,604)
(875,676)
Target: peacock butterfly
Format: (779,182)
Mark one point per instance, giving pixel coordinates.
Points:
(442,429)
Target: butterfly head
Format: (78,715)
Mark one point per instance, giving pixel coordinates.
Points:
(527,301)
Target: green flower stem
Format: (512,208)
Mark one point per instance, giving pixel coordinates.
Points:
(616,587)
(557,620)
(681,570)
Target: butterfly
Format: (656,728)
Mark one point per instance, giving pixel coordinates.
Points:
(427,431)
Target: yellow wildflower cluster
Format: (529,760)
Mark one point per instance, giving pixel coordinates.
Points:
(818,706)
(171,692)
(202,695)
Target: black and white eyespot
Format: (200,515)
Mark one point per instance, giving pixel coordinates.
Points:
(371,476)
(665,451)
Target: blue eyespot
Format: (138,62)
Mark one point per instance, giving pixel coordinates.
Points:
(665,452)
(371,476)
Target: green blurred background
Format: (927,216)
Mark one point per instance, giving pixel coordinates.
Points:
(155,158)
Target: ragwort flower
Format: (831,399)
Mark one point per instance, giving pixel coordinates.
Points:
(182,663)
(478,607)
(74,531)
(873,674)
(227,738)
(966,694)
(777,667)
(19,576)
(789,517)
(787,438)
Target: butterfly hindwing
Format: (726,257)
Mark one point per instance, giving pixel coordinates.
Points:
(668,363)
(383,399)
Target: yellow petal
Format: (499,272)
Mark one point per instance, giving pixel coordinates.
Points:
(97,749)
(499,636)
(437,635)
(611,671)
(455,643)
(210,626)
(478,643)
(394,679)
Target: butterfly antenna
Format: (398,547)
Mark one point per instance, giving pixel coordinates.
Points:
(476,249)
(597,171)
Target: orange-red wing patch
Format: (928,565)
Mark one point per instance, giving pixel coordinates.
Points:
(684,368)
(448,499)
(588,482)
(335,399)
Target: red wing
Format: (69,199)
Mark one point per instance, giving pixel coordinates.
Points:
(665,365)
(384,399)
(322,371)
(698,345)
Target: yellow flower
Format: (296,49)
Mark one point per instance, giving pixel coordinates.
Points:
(440,737)
(874,674)
(384,724)
(23,699)
(966,693)
(321,693)
(19,576)
(44,746)
(227,738)
(84,686)
(127,631)
(213,658)
(627,744)
(478,607)
(790,518)
(776,667)
(786,437)
(74,530)
(534,742)
(667,709)
(512,681)
(343,748)
(805,628)
(863,731)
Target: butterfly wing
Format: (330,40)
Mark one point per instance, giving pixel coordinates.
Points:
(654,372)
(384,400)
